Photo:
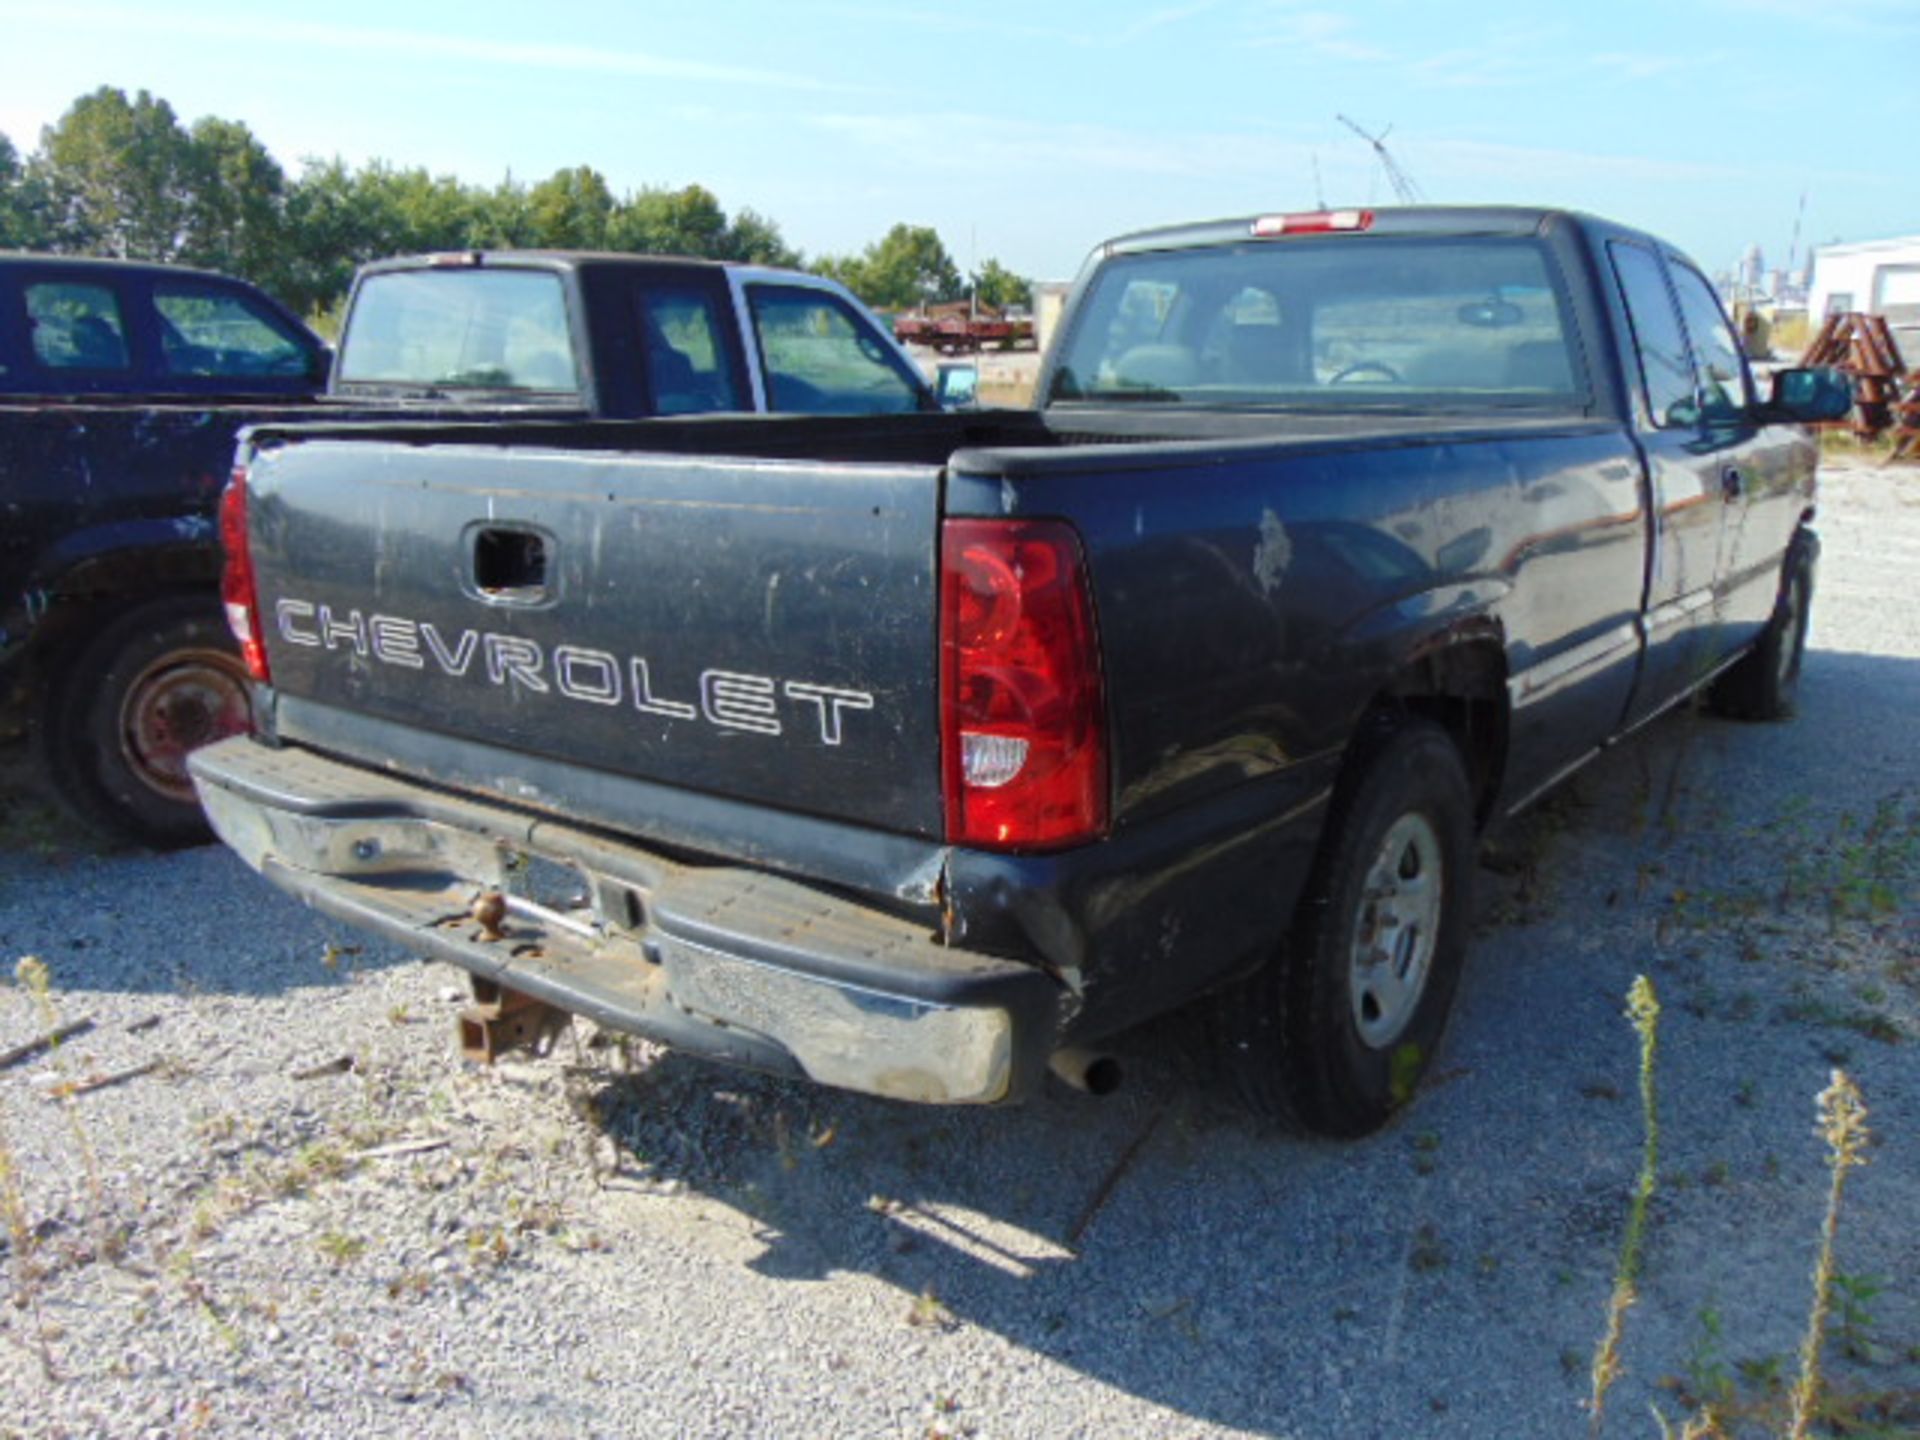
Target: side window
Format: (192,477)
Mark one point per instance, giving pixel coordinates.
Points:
(686,357)
(1725,392)
(822,359)
(214,333)
(76,327)
(1666,374)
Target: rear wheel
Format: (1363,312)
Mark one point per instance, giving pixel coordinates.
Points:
(1765,682)
(1334,1032)
(153,685)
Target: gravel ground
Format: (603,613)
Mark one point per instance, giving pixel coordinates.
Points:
(306,1218)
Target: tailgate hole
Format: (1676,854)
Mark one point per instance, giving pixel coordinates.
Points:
(510,564)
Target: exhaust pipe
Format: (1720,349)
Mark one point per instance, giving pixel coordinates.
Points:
(1092,1071)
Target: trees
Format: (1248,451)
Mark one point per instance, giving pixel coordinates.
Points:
(23,203)
(120,175)
(908,266)
(688,221)
(234,204)
(995,285)
(570,210)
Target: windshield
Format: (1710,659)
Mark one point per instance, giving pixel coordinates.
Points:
(461,329)
(1324,323)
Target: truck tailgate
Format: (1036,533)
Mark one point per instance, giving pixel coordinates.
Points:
(759,629)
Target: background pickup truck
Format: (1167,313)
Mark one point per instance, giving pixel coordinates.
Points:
(122,388)
(907,754)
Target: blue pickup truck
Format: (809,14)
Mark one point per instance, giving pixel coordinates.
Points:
(123,386)
(910,753)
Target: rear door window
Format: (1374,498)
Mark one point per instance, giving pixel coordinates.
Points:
(687,355)
(214,333)
(821,358)
(76,327)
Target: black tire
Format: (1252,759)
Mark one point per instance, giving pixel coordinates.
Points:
(1321,1037)
(155,682)
(1764,684)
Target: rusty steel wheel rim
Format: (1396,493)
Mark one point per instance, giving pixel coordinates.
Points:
(179,703)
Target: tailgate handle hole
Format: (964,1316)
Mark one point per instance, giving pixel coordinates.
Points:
(510,564)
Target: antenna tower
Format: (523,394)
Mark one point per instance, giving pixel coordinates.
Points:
(1404,188)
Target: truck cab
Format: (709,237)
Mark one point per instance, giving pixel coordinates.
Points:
(620,337)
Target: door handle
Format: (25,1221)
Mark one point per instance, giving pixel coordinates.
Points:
(1732,483)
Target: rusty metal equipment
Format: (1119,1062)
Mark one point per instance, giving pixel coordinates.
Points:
(500,1020)
(1863,347)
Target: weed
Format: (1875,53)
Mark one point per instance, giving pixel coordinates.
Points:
(1708,1379)
(1843,1125)
(1428,1255)
(1854,1296)
(926,1312)
(32,973)
(21,1247)
(1763,1372)
(339,1247)
(1643,1009)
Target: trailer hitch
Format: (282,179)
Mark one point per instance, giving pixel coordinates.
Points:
(501,1020)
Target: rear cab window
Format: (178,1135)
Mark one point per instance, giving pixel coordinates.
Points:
(1469,322)
(441,332)
(820,357)
(76,326)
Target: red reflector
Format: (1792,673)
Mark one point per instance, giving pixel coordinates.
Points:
(237,588)
(1312,222)
(1022,707)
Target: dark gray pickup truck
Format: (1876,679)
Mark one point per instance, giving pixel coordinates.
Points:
(910,753)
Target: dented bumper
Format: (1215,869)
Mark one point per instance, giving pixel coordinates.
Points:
(733,964)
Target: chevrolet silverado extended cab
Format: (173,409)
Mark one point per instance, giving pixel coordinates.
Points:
(909,753)
(122,387)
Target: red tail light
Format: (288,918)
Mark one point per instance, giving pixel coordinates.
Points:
(1023,711)
(237,588)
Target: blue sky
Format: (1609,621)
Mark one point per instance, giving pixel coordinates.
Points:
(1029,131)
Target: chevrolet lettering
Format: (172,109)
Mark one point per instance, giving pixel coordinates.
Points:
(729,699)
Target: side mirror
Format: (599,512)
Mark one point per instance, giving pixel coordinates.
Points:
(320,366)
(1810,396)
(957,387)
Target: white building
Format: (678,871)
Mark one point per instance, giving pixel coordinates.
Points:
(1881,277)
